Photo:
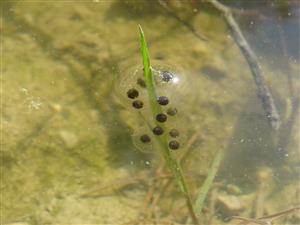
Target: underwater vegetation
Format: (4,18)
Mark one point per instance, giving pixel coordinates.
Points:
(149,96)
(158,83)
(150,91)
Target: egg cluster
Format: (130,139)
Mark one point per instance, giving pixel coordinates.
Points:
(134,95)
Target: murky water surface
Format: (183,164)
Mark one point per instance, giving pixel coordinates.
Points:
(71,147)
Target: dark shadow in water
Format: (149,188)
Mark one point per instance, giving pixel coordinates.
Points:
(122,152)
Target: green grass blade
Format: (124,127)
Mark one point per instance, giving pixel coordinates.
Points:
(171,161)
(163,140)
(156,109)
(201,196)
(148,76)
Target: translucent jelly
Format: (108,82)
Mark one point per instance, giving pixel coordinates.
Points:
(170,88)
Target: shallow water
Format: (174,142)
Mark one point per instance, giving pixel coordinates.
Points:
(70,138)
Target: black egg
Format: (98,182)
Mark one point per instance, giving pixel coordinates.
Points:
(138,104)
(174,133)
(174,145)
(141,82)
(158,130)
(132,93)
(161,117)
(145,138)
(167,76)
(172,111)
(163,100)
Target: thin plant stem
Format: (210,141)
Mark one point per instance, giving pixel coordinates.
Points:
(257,73)
(266,220)
(171,162)
(201,196)
(183,22)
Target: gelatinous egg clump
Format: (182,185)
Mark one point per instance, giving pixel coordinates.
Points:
(168,84)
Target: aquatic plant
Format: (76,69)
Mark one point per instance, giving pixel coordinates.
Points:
(160,117)
(152,93)
(168,138)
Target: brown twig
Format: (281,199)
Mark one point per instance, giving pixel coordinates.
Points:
(267,220)
(108,189)
(193,139)
(183,22)
(161,180)
(164,184)
(263,90)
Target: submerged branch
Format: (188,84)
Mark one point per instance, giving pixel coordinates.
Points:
(263,90)
(163,4)
(266,220)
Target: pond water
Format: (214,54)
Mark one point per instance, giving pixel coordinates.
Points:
(72,150)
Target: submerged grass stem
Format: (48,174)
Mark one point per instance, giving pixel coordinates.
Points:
(201,196)
(156,109)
